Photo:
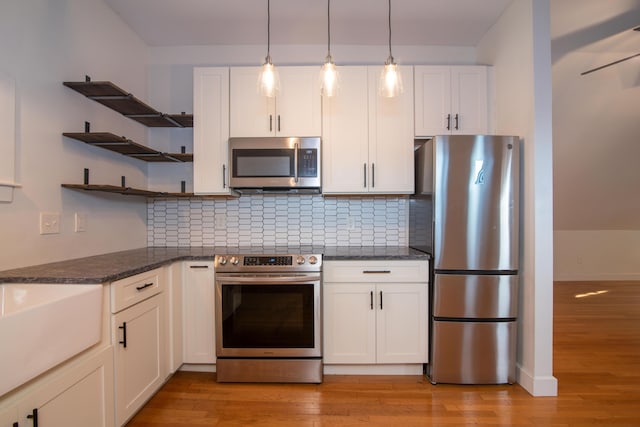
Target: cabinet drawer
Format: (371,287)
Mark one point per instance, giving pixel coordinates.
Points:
(129,291)
(376,271)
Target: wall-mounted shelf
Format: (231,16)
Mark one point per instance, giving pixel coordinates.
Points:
(127,147)
(110,95)
(129,191)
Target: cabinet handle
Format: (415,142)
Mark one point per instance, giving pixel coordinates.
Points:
(371,299)
(376,271)
(224,176)
(373,175)
(278,122)
(365,175)
(146,285)
(33,416)
(270,122)
(457,121)
(16,424)
(124,334)
(448,121)
(198,266)
(380,300)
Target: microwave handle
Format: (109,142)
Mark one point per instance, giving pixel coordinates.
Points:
(296,150)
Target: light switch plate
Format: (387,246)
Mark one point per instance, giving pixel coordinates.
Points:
(80,222)
(49,222)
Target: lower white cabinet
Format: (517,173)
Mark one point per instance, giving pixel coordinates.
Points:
(80,394)
(375,312)
(138,334)
(199,320)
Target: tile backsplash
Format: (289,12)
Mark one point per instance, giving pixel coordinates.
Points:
(279,220)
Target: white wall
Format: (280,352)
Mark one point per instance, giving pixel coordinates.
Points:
(595,134)
(518,46)
(42,44)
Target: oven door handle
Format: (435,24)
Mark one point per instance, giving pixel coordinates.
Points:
(268,279)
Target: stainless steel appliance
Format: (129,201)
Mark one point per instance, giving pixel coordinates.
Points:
(268,318)
(467,193)
(275,164)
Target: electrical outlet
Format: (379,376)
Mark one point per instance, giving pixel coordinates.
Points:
(49,222)
(80,222)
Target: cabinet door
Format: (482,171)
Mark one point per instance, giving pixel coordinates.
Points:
(345,134)
(432,100)
(9,416)
(401,323)
(391,137)
(469,100)
(139,359)
(210,130)
(298,105)
(250,113)
(82,396)
(349,323)
(199,320)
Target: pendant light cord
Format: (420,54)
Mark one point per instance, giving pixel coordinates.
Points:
(390,55)
(268,31)
(329,28)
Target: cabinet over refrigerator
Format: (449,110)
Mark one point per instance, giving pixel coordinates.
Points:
(465,211)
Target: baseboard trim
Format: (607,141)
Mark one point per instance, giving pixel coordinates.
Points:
(537,386)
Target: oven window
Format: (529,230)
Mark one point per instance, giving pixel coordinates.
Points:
(267,316)
(249,163)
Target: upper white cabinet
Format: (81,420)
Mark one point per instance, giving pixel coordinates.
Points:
(295,111)
(451,100)
(367,139)
(210,130)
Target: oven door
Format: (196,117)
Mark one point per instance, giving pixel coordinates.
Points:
(268,315)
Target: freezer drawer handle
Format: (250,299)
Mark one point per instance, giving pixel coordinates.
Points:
(376,271)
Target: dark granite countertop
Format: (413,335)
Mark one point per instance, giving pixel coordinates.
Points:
(118,265)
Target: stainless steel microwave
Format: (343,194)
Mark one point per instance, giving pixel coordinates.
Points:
(275,164)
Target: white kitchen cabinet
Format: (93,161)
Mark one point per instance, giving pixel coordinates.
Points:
(199,320)
(375,312)
(138,334)
(451,100)
(78,395)
(210,130)
(295,111)
(174,324)
(367,139)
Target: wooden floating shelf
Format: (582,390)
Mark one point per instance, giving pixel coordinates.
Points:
(129,191)
(127,147)
(110,95)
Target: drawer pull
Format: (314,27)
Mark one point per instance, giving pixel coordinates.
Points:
(376,272)
(198,266)
(124,334)
(34,416)
(146,285)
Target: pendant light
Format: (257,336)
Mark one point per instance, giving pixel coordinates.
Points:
(329,73)
(269,79)
(390,79)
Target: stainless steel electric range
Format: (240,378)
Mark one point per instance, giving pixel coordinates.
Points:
(268,318)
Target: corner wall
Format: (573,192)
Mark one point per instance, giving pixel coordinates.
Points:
(42,44)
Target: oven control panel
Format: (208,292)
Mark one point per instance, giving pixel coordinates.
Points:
(293,262)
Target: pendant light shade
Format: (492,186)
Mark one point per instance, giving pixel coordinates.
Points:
(390,84)
(269,79)
(329,73)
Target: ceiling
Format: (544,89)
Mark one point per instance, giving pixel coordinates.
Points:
(358,22)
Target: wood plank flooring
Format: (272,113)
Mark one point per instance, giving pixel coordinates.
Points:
(596,362)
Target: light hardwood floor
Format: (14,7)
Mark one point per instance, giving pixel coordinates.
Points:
(596,362)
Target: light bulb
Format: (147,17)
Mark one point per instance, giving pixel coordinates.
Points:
(390,80)
(268,80)
(329,78)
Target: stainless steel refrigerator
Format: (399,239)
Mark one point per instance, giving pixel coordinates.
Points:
(467,196)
